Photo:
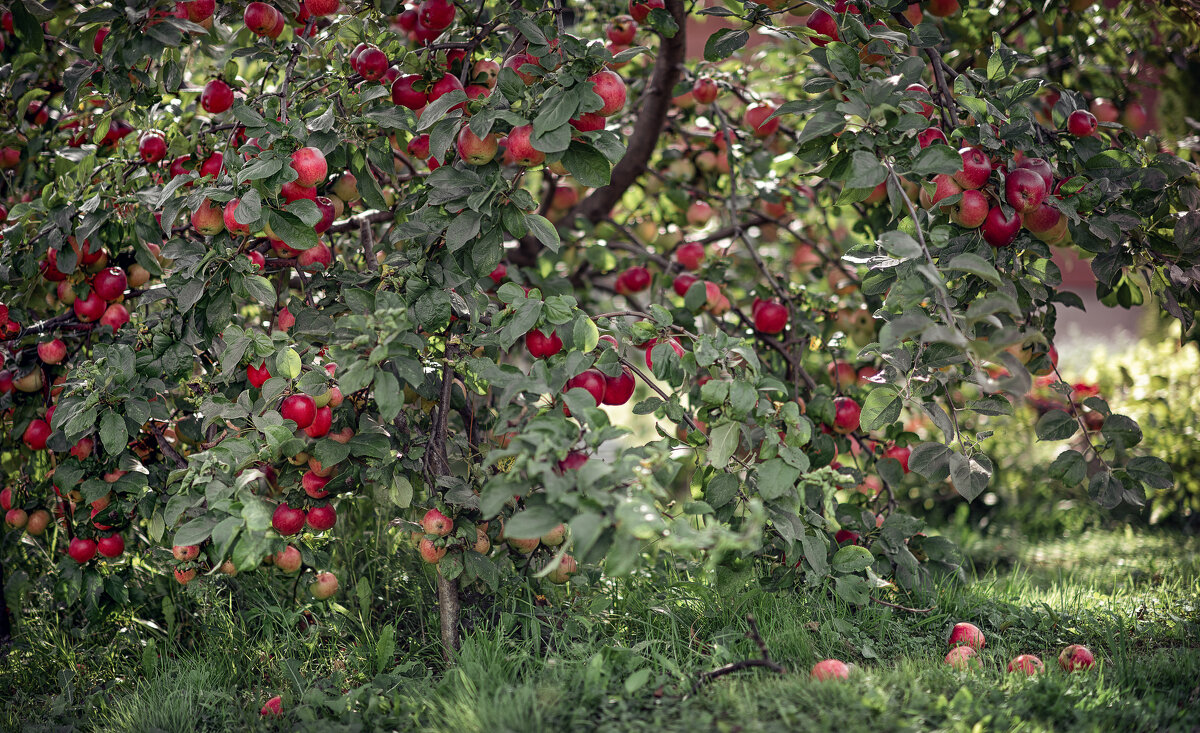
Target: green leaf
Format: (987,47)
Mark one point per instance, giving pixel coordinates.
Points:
(544,231)
(587,164)
(1122,431)
(196,531)
(724,43)
(721,490)
(288,227)
(937,158)
(1152,471)
(852,589)
(865,170)
(880,409)
(843,60)
(438,108)
(112,433)
(723,442)
(1056,425)
(776,479)
(637,680)
(852,559)
(822,123)
(531,523)
(1069,467)
(976,265)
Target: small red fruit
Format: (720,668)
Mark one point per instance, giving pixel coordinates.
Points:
(830,669)
(436,523)
(1076,657)
(1082,123)
(300,409)
(591,380)
(81,550)
(964,634)
(541,346)
(618,389)
(846,413)
(216,97)
(321,518)
(287,521)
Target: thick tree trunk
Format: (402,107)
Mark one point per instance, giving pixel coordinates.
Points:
(448,611)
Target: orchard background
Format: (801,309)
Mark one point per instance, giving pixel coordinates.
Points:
(495,364)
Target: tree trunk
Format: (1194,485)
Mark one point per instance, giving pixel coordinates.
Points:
(448,610)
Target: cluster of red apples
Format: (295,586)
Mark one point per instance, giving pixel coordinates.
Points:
(966,641)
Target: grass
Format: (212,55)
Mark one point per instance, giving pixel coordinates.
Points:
(626,656)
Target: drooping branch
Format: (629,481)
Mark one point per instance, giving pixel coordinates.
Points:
(654,105)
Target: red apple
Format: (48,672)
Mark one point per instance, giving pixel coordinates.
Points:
(274,706)
(111,546)
(962,658)
(115,316)
(541,346)
(289,560)
(299,408)
(436,523)
(682,282)
(321,518)
(770,317)
(208,219)
(287,521)
(152,147)
(690,255)
(405,95)
(216,97)
(755,119)
(110,283)
(964,634)
(476,150)
(999,230)
(611,89)
(430,553)
(824,25)
(81,550)
(310,166)
(325,585)
(1081,123)
(930,136)
(1027,663)
(977,167)
(705,90)
(846,414)
(52,352)
(519,148)
(899,453)
(618,389)
(621,30)
(971,210)
(90,308)
(1076,657)
(640,9)
(1024,189)
(922,93)
(830,669)
(591,380)
(633,280)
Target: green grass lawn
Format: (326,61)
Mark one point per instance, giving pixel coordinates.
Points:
(626,657)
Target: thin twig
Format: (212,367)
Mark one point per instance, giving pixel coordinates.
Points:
(764,661)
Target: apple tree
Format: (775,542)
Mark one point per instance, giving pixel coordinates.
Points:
(547,293)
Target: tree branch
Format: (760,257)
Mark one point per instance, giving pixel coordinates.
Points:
(654,106)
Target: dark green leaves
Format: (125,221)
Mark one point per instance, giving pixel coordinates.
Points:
(937,158)
(724,43)
(288,227)
(543,231)
(1056,425)
(587,164)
